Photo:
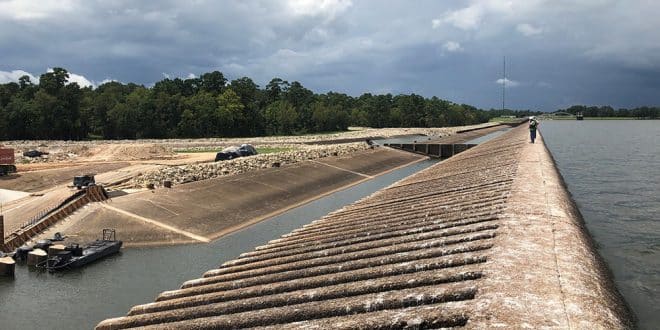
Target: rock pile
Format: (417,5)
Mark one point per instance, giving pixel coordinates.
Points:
(204,171)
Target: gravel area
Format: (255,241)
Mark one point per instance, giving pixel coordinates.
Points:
(196,172)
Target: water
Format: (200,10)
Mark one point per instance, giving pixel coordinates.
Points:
(612,169)
(81,298)
(404,139)
(488,136)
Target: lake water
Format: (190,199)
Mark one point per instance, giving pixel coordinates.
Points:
(612,169)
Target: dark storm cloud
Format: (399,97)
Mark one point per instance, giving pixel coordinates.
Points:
(558,52)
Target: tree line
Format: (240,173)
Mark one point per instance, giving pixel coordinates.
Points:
(213,106)
(608,111)
(205,106)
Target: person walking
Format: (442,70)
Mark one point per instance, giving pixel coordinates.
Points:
(533,125)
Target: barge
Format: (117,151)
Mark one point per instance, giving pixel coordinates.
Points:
(75,256)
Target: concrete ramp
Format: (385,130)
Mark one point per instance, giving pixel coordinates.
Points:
(50,217)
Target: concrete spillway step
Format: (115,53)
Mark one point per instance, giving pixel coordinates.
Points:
(450,281)
(306,266)
(288,246)
(397,209)
(454,265)
(413,212)
(348,240)
(330,308)
(447,316)
(404,237)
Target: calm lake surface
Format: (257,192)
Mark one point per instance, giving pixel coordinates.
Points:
(612,169)
(81,298)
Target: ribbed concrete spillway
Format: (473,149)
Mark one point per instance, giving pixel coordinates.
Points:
(488,238)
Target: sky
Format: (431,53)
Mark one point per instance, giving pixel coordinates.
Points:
(558,53)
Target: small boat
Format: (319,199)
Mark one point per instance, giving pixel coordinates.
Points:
(75,256)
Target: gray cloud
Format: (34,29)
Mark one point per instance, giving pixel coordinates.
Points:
(561,52)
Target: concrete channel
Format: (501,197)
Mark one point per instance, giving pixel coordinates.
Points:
(489,238)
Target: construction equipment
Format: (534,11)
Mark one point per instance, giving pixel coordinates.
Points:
(7,161)
(83,181)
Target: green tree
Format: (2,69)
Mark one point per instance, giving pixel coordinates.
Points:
(213,82)
(281,117)
(230,113)
(275,89)
(249,94)
(188,126)
(204,107)
(52,82)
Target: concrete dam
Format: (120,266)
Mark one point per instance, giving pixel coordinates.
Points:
(489,238)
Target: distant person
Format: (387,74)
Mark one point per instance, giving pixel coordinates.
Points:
(533,125)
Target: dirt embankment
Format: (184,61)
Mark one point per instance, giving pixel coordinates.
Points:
(149,149)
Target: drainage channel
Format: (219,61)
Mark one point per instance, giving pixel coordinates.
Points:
(81,298)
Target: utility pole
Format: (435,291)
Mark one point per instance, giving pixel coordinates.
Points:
(503,82)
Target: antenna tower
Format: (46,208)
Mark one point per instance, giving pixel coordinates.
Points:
(503,82)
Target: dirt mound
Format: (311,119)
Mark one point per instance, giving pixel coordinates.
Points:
(123,152)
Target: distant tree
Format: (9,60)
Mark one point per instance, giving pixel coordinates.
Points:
(411,109)
(24,82)
(52,82)
(249,94)
(281,118)
(359,117)
(231,119)
(169,109)
(204,107)
(213,82)
(149,123)
(19,120)
(435,112)
(275,89)
(188,126)
(7,92)
(298,95)
(246,89)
